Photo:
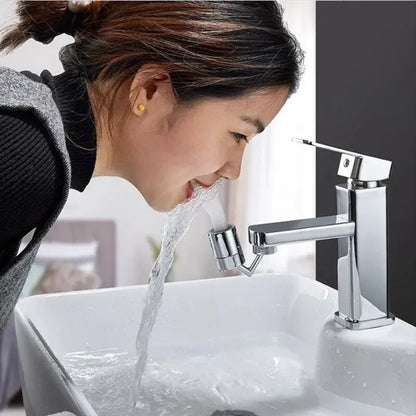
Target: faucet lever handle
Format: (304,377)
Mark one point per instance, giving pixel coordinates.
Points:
(355,165)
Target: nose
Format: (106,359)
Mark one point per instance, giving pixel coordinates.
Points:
(232,167)
(229,170)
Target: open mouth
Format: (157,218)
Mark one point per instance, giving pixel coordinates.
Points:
(189,190)
(191,185)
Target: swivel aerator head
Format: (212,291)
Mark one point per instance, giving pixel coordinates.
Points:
(227,248)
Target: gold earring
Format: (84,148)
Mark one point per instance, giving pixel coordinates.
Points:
(141,107)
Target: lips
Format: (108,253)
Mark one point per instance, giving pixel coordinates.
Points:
(190,187)
(189,190)
(203,185)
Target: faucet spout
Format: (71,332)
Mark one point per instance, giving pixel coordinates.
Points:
(321,228)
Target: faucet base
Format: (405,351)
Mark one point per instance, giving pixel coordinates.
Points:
(370,323)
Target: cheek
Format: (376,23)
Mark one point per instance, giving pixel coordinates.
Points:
(202,160)
(198,154)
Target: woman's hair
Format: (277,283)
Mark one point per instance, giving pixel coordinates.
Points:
(221,49)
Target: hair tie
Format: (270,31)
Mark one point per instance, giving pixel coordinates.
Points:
(76,6)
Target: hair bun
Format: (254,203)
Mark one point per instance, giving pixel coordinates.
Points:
(53,18)
(46,34)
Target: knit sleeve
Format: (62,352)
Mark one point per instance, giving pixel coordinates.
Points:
(31,174)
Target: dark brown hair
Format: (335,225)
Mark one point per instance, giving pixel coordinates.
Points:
(221,49)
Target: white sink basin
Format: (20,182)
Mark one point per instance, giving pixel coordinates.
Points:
(266,344)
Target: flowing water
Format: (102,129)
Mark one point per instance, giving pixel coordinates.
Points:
(176,225)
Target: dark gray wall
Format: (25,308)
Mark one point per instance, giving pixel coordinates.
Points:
(366,102)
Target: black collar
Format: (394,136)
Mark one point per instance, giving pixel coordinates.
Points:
(71,97)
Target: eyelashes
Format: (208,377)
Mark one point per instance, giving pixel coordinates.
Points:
(240,137)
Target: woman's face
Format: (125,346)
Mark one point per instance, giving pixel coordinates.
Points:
(159,150)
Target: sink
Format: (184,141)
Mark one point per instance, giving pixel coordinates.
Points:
(265,344)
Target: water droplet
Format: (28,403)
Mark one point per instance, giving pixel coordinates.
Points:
(393,402)
(364,384)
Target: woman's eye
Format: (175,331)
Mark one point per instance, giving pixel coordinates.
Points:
(240,137)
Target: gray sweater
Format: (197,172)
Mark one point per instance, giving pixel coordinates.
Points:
(19,92)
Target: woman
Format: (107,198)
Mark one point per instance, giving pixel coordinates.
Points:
(158,93)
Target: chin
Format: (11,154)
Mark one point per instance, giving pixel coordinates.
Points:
(165,204)
(159,207)
(168,201)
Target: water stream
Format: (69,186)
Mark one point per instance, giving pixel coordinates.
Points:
(176,225)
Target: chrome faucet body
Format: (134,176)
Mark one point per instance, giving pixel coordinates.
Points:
(360,227)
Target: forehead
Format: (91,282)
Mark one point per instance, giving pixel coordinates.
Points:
(266,96)
(262,105)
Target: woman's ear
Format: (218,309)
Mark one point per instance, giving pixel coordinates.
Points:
(145,83)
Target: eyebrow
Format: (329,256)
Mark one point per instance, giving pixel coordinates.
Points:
(256,123)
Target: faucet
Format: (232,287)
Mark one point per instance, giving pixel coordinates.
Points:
(360,226)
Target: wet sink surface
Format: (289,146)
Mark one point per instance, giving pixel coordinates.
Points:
(266,345)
